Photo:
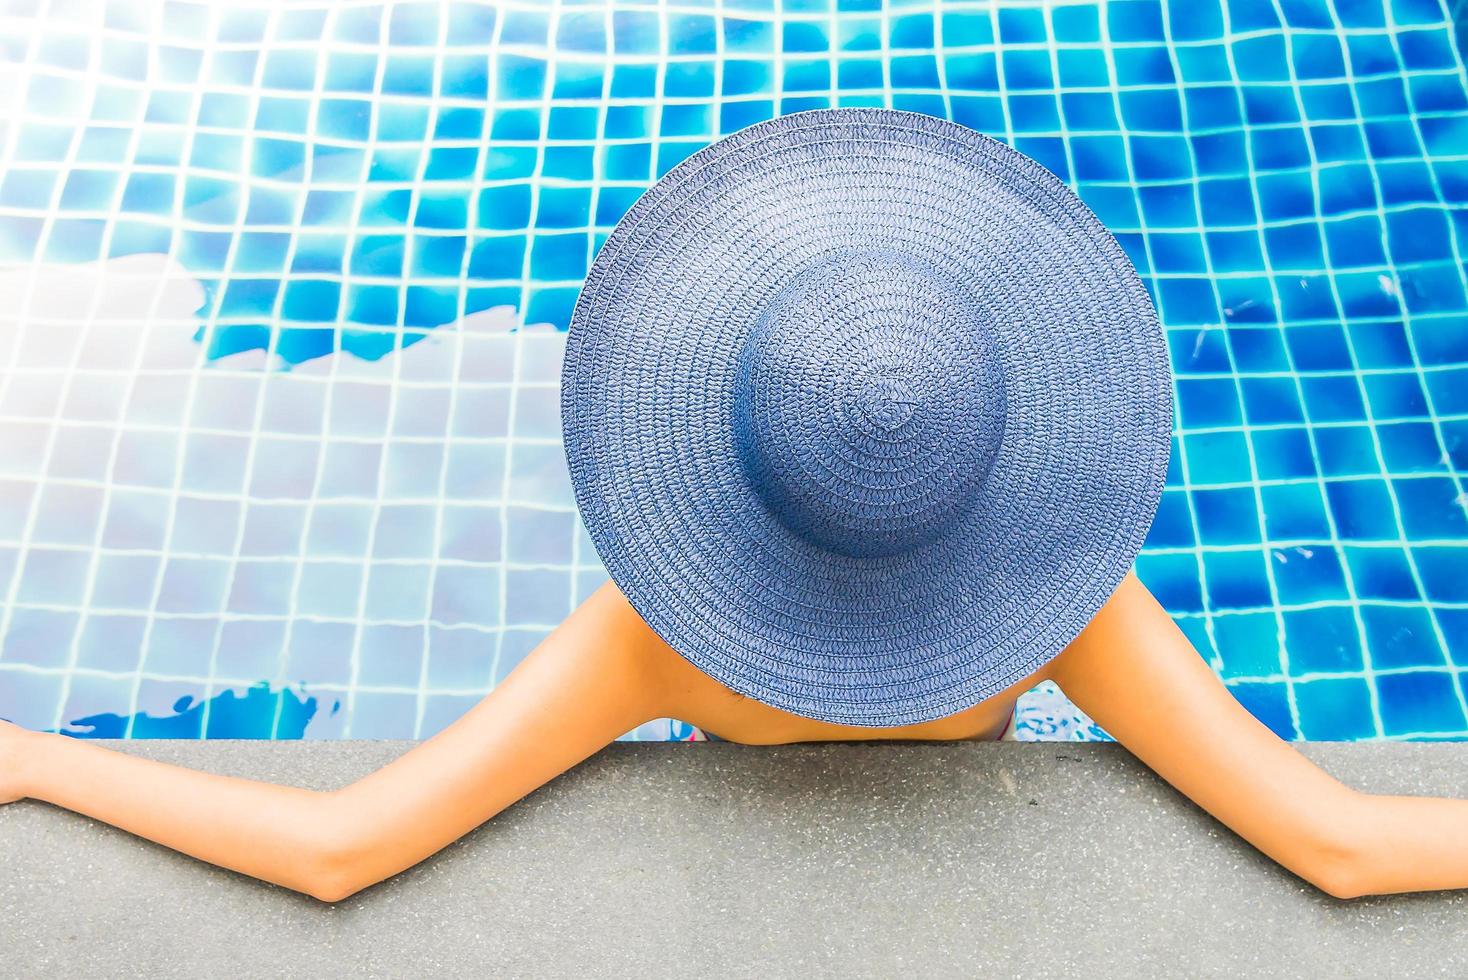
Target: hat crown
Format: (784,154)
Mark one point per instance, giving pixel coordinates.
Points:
(869,402)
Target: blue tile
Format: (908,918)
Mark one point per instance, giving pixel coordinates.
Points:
(1208,402)
(1326,102)
(1285,196)
(1418,235)
(978,72)
(1355,241)
(1455,441)
(1204,63)
(1227,516)
(1260,349)
(640,81)
(1442,570)
(1412,447)
(864,74)
(1192,300)
(1115,206)
(1160,157)
(1143,65)
(1433,289)
(1392,138)
(563,207)
(1217,457)
(962,28)
(1395,396)
(687,80)
(1401,636)
(1235,251)
(1264,107)
(1318,348)
(1261,58)
(1449,391)
(1362,509)
(1098,157)
(1316,56)
(1403,183)
(1080,68)
(1093,110)
(627,162)
(1432,508)
(1076,24)
(1305,574)
(1342,188)
(1324,640)
(695,34)
(734,116)
(1025,69)
(1156,109)
(685,120)
(1237,579)
(1283,454)
(755,35)
(1335,709)
(1247,300)
(906,72)
(1437,93)
(1382,345)
(1177,253)
(1427,50)
(1022,26)
(1280,149)
(1294,512)
(1194,22)
(911,31)
(1175,463)
(1227,201)
(1419,702)
(1295,247)
(1363,295)
(1220,154)
(558,256)
(1271,401)
(1248,644)
(1333,398)
(1135,20)
(1454,626)
(627,122)
(1036,113)
(1172,526)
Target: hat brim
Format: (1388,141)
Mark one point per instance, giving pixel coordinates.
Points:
(647,403)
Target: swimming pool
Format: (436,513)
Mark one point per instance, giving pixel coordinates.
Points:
(284,288)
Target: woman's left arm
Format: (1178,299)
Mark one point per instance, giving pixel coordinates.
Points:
(1134,672)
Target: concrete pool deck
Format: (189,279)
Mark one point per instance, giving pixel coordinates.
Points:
(1051,859)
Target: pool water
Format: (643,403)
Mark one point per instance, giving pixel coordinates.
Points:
(284,289)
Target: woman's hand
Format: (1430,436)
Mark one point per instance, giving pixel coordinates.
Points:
(15,743)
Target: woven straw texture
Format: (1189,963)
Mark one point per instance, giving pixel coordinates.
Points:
(866,414)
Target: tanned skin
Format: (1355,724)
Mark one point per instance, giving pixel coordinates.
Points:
(603,672)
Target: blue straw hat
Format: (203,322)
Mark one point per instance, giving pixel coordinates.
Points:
(866,413)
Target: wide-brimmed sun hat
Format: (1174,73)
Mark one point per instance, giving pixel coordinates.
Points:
(866,413)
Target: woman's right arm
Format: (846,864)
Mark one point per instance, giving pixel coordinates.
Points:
(1134,672)
(596,677)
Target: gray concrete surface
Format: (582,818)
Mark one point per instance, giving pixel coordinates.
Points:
(884,860)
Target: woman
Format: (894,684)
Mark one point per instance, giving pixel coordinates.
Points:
(867,417)
(603,672)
